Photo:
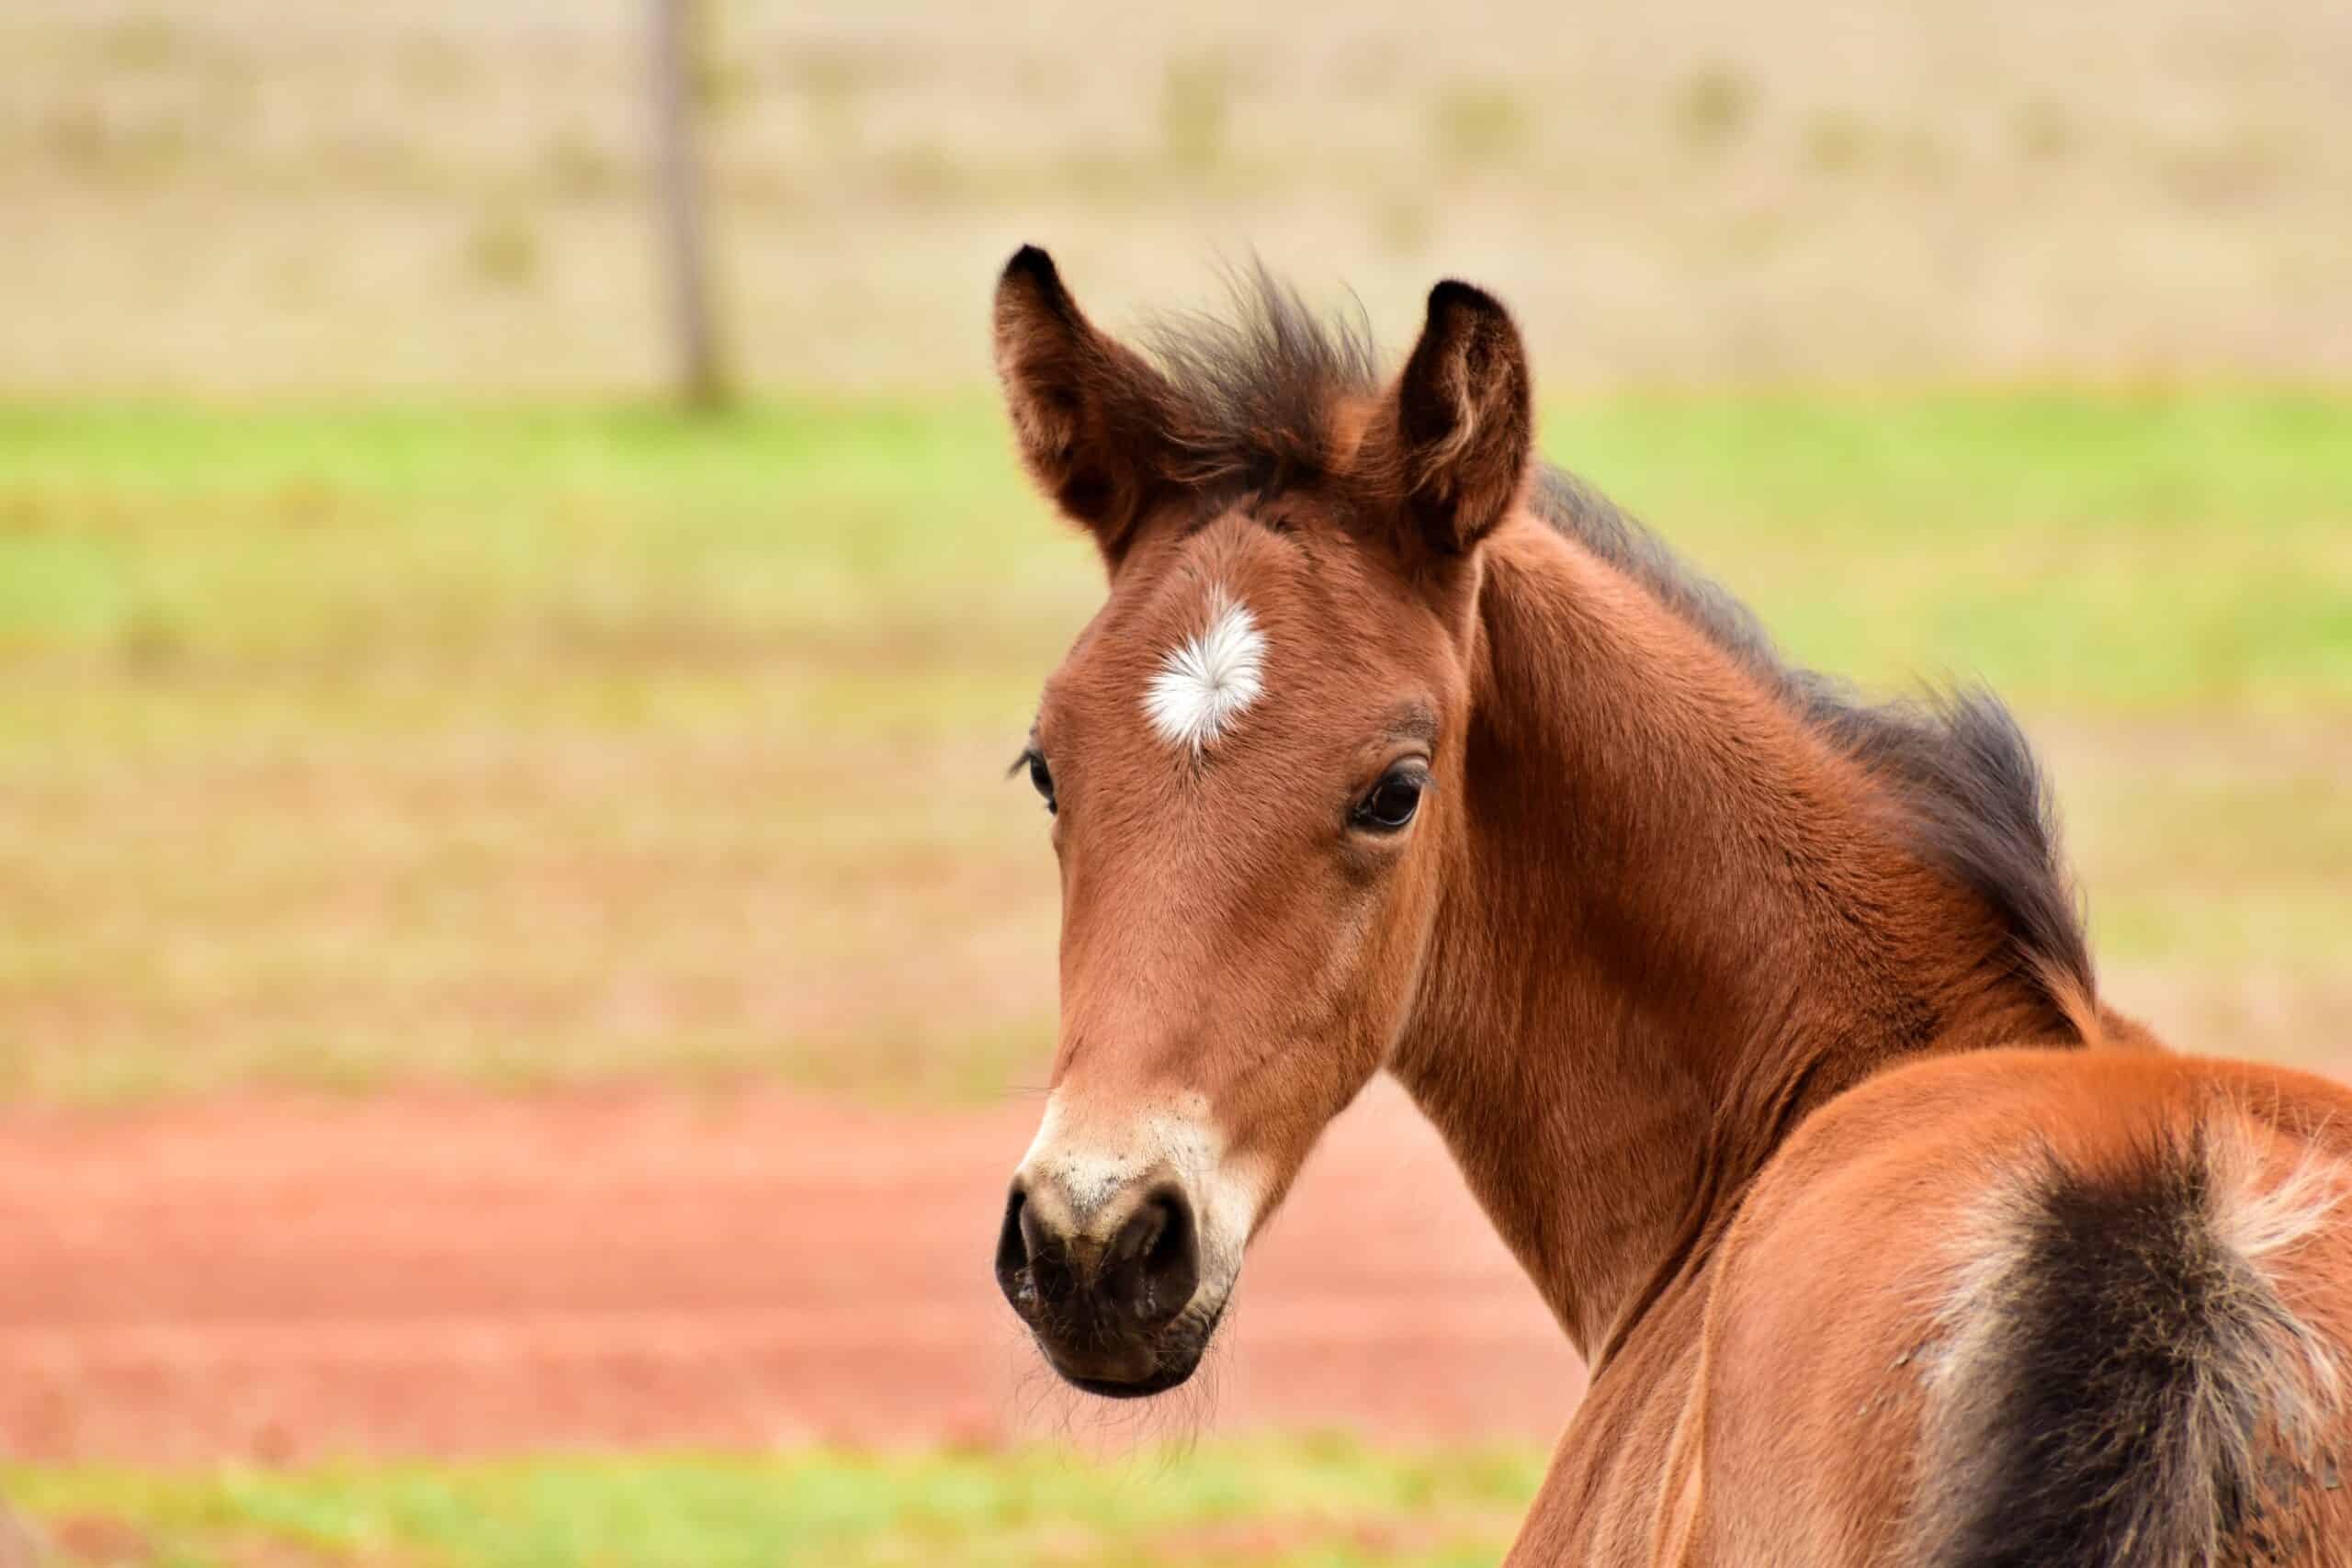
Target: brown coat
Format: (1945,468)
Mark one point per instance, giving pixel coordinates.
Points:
(1759,1021)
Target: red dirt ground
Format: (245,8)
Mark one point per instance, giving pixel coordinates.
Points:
(427,1273)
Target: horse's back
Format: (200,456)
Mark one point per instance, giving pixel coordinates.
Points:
(2046,1307)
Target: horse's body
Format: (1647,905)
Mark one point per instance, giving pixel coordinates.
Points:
(1884,1362)
(1758,1021)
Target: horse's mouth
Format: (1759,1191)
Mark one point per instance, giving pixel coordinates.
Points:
(1138,1371)
(1157,1382)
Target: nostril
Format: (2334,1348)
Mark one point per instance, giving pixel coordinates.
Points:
(1172,1249)
(1033,1235)
(1155,1261)
(1145,1230)
(1013,1275)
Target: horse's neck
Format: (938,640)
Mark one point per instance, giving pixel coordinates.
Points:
(1679,921)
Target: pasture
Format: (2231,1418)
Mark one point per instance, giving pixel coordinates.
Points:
(450,197)
(568,747)
(539,747)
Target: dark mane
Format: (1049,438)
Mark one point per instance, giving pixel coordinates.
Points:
(1258,391)
(1977,803)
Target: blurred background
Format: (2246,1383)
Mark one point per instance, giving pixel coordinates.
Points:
(523,978)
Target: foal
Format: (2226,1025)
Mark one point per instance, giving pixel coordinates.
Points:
(1759,1021)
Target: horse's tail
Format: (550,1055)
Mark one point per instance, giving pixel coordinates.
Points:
(2122,1382)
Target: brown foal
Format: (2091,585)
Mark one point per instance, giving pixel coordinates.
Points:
(1759,1021)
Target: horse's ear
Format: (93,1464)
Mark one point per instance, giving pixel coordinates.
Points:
(1091,417)
(1462,430)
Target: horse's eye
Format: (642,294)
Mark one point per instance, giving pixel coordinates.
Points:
(1392,802)
(1042,776)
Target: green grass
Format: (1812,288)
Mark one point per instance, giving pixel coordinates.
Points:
(2156,551)
(551,745)
(1326,1502)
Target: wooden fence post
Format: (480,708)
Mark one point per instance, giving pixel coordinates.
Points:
(702,367)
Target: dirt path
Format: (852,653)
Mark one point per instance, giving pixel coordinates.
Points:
(435,1274)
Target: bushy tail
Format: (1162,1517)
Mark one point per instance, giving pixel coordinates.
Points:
(2123,1383)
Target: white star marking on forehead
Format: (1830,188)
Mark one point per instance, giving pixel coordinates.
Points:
(1207,683)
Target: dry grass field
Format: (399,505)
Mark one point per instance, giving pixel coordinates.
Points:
(258,194)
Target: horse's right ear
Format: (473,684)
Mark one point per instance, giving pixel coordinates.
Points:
(1091,418)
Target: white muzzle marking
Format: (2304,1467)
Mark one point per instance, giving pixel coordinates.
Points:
(1090,1175)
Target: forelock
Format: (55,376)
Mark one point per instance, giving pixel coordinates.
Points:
(1263,394)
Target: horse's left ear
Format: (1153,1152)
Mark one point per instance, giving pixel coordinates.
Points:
(1462,427)
(1091,418)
